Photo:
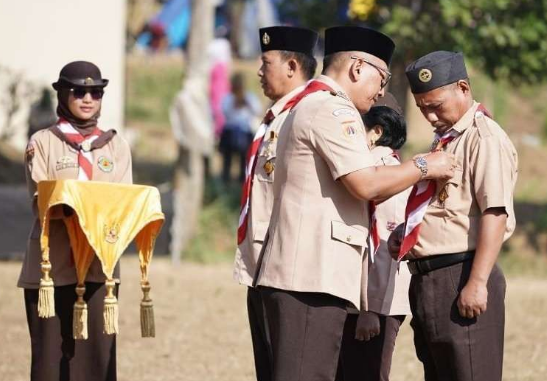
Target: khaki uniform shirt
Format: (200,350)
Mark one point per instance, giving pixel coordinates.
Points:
(485,178)
(262,197)
(317,234)
(52,159)
(388,283)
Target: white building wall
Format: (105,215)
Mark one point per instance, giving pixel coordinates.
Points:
(38,37)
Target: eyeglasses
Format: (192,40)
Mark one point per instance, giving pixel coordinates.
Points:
(80,92)
(386,75)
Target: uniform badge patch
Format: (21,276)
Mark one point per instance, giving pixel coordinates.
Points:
(265,38)
(105,164)
(349,130)
(343,111)
(65,162)
(425,75)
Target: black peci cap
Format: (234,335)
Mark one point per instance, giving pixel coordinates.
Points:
(350,38)
(288,38)
(434,70)
(81,74)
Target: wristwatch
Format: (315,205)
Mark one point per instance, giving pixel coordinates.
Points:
(421,163)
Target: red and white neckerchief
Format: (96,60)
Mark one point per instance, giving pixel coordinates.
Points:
(374,235)
(312,87)
(419,199)
(85,157)
(422,193)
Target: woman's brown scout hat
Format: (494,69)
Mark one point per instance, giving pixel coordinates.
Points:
(80,74)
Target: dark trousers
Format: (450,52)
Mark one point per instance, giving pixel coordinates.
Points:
(305,332)
(368,360)
(451,347)
(259,335)
(56,356)
(227,165)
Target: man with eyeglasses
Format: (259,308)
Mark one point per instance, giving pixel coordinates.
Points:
(314,258)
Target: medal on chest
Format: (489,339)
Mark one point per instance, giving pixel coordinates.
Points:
(269,165)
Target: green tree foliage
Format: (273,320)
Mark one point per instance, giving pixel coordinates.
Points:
(505,38)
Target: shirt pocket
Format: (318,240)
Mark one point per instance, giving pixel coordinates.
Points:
(259,231)
(447,196)
(265,167)
(348,234)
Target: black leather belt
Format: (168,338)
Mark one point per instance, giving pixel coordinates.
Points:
(435,262)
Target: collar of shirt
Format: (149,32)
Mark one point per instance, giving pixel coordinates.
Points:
(334,85)
(467,119)
(278,106)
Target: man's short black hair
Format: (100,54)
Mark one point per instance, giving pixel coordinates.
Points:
(308,64)
(330,59)
(392,123)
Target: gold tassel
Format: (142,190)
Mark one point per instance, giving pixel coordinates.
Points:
(148,328)
(110,313)
(79,319)
(46,294)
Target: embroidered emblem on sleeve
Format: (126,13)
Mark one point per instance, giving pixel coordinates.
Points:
(349,130)
(343,111)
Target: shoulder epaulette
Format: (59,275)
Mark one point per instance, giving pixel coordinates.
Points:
(482,124)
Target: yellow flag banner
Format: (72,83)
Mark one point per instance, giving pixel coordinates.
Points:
(106,218)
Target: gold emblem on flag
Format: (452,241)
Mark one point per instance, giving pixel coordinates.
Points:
(88,81)
(111,233)
(269,167)
(265,39)
(425,75)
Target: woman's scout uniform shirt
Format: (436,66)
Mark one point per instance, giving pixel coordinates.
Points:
(388,283)
(485,178)
(49,158)
(262,198)
(318,230)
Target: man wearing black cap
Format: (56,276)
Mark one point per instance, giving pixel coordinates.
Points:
(311,266)
(453,238)
(287,64)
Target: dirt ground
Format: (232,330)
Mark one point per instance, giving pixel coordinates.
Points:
(202,331)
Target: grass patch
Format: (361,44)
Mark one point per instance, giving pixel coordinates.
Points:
(215,239)
(151,85)
(515,265)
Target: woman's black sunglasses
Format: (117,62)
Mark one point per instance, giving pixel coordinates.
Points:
(80,92)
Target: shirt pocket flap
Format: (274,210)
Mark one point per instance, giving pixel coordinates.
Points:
(348,234)
(259,231)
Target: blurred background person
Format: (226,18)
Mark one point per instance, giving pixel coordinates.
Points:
(241,109)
